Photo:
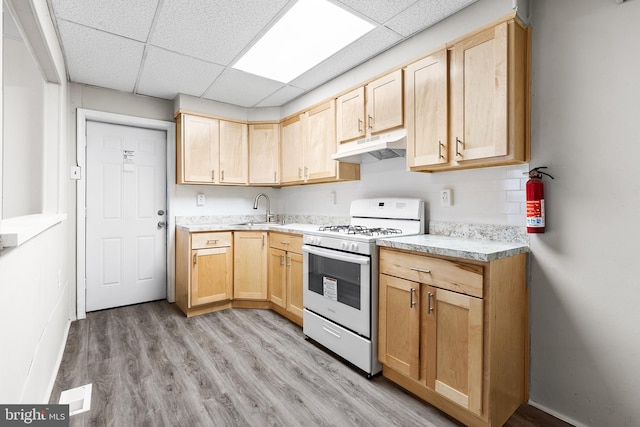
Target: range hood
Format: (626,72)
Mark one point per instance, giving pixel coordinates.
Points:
(378,147)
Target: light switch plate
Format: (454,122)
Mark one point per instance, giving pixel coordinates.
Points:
(200,199)
(445,198)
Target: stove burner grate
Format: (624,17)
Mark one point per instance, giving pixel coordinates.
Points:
(360,230)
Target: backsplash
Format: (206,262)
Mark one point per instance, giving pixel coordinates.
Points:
(503,233)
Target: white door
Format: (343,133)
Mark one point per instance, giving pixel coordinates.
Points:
(126,203)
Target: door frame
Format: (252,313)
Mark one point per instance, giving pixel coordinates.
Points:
(82,116)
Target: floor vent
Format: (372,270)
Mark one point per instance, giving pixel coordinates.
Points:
(78,399)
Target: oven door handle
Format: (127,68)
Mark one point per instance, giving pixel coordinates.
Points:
(340,256)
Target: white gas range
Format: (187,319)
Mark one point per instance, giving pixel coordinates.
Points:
(340,271)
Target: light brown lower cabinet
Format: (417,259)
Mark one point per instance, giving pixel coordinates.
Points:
(204,269)
(245,269)
(455,333)
(250,265)
(285,275)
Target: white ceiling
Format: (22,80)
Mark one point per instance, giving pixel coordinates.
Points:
(161,48)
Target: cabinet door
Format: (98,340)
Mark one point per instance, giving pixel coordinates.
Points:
(264,153)
(293,142)
(426,109)
(479,95)
(350,115)
(250,265)
(399,325)
(321,142)
(234,153)
(453,347)
(294,284)
(278,277)
(198,149)
(384,103)
(211,275)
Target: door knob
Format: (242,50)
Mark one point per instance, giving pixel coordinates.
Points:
(160,212)
(161,224)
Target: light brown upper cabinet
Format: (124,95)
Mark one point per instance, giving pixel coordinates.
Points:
(197,151)
(486,120)
(371,109)
(426,83)
(211,151)
(308,141)
(293,140)
(264,154)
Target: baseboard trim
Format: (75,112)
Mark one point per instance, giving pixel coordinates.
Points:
(556,414)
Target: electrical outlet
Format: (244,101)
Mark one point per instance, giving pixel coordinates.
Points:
(200,199)
(445,197)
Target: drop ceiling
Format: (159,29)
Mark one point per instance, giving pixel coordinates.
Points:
(162,48)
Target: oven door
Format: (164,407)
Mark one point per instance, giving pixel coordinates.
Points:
(337,286)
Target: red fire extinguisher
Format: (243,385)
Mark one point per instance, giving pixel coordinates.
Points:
(535,200)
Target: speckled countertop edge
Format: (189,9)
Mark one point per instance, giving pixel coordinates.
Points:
(457,247)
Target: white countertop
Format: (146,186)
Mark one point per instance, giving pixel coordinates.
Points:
(479,250)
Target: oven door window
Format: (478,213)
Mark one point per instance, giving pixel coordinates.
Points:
(335,279)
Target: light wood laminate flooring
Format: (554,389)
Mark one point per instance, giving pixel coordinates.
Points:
(151,366)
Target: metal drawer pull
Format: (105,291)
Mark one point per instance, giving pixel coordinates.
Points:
(458,141)
(212,242)
(195,259)
(429,308)
(284,243)
(411,301)
(420,270)
(360,125)
(440,145)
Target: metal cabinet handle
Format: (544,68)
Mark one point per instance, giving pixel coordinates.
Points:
(222,175)
(306,172)
(195,259)
(420,270)
(275,176)
(263,240)
(299,172)
(411,301)
(458,141)
(288,261)
(212,242)
(213,174)
(370,119)
(284,243)
(429,308)
(440,145)
(281,259)
(360,123)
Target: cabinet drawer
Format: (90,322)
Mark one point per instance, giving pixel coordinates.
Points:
(452,275)
(286,242)
(210,240)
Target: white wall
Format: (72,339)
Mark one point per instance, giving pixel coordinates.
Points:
(584,288)
(35,288)
(23,131)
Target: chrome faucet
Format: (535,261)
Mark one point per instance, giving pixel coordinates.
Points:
(268,213)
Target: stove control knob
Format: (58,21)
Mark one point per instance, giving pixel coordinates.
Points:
(354,247)
(344,246)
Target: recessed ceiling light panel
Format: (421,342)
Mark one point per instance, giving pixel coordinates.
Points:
(310,32)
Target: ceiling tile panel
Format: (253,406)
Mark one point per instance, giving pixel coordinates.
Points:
(424,14)
(282,96)
(240,88)
(131,19)
(368,46)
(165,74)
(100,59)
(379,11)
(216,31)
